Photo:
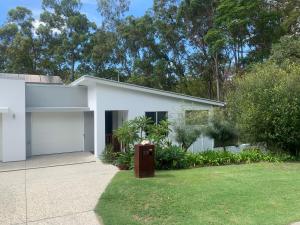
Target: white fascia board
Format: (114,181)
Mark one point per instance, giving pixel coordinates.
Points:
(57,109)
(86,80)
(4,109)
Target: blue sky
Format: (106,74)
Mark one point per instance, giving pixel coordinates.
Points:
(89,7)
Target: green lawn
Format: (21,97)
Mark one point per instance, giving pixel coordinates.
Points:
(258,194)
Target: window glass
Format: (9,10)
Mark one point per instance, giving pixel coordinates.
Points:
(162,116)
(152,116)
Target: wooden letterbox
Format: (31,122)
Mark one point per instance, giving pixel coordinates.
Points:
(144,160)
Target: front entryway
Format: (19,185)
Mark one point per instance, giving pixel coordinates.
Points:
(113,120)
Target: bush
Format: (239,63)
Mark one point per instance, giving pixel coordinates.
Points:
(221,129)
(109,155)
(134,131)
(124,160)
(172,157)
(186,135)
(265,105)
(218,158)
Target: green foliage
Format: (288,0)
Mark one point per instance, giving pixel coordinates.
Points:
(135,130)
(141,123)
(185,134)
(221,129)
(288,49)
(218,158)
(172,157)
(158,133)
(266,106)
(127,135)
(67,33)
(109,155)
(188,46)
(124,160)
(19,49)
(196,117)
(195,86)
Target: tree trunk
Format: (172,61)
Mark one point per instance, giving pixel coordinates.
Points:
(73,69)
(217,76)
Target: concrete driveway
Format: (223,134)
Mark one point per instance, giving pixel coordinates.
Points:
(55,189)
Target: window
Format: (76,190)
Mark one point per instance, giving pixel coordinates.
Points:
(196,117)
(156,117)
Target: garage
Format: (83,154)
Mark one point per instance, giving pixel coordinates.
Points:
(56,132)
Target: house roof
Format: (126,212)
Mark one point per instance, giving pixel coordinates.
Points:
(87,80)
(30,78)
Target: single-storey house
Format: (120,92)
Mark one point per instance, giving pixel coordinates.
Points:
(41,115)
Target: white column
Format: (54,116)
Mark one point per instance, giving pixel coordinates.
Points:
(99,126)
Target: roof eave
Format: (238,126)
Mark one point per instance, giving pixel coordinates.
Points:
(81,80)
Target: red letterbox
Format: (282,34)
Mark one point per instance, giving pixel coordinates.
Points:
(144,160)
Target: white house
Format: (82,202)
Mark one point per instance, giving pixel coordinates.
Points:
(49,117)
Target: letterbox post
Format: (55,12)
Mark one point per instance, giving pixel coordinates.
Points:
(144,160)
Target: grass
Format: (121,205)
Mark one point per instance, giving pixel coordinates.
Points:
(258,194)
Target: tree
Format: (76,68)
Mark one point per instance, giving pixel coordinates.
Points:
(197,17)
(194,86)
(186,132)
(66,32)
(186,135)
(221,129)
(290,11)
(287,49)
(216,43)
(99,55)
(19,49)
(112,11)
(266,108)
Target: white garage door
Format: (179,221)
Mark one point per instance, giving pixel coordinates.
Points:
(56,132)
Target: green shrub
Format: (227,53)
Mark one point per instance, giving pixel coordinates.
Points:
(218,158)
(221,129)
(140,128)
(186,135)
(109,155)
(172,157)
(124,160)
(265,104)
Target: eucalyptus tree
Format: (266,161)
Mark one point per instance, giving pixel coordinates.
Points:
(198,18)
(112,12)
(66,33)
(19,49)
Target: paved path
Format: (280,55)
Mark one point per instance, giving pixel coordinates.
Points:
(58,189)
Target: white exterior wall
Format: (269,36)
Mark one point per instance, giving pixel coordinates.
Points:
(104,97)
(1,137)
(12,95)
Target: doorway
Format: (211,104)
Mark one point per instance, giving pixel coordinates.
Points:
(113,120)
